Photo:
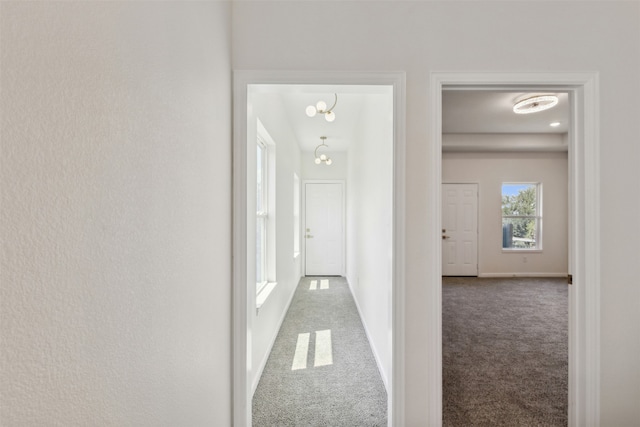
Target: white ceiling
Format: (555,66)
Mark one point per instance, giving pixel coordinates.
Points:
(481,111)
(308,130)
(464,111)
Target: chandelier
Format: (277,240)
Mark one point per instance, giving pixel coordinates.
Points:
(323,158)
(321,108)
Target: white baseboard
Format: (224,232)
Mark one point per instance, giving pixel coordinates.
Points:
(263,362)
(373,348)
(497,275)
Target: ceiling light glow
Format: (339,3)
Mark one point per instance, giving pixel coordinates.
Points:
(554,124)
(535,104)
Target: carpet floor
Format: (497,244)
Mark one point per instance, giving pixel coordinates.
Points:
(505,346)
(321,370)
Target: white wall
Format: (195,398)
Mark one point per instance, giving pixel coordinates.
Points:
(370,224)
(421,37)
(115,296)
(268,108)
(490,170)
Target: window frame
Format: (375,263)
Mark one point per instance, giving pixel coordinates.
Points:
(262,216)
(297,225)
(537,217)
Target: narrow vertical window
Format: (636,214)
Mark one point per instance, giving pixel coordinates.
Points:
(261,215)
(296,215)
(521,216)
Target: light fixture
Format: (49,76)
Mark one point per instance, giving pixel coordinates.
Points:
(535,104)
(323,158)
(554,124)
(321,108)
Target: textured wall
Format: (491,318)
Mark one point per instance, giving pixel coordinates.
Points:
(115,214)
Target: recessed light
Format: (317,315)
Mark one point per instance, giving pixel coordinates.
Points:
(554,124)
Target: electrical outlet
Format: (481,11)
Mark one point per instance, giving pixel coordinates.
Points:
(524,259)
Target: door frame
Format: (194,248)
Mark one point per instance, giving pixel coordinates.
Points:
(477,184)
(241,321)
(584,230)
(304,221)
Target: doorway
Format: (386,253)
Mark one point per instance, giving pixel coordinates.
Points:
(517,158)
(244,325)
(583,230)
(324,228)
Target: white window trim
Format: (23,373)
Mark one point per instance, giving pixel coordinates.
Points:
(263,214)
(297,224)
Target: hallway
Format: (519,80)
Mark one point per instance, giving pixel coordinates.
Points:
(321,370)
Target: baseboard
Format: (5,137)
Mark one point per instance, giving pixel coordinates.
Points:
(373,349)
(497,275)
(263,362)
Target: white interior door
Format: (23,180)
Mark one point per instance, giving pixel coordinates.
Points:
(459,229)
(324,229)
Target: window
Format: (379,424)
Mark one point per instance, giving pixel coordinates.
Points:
(296,215)
(265,263)
(521,216)
(261,215)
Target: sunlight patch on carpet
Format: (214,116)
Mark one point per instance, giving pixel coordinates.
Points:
(324,353)
(302,348)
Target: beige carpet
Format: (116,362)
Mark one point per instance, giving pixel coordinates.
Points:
(505,344)
(321,370)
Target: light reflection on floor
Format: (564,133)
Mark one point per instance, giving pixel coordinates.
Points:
(323,350)
(324,284)
(323,347)
(324,353)
(302,348)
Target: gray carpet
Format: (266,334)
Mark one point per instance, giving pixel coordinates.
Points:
(347,392)
(505,344)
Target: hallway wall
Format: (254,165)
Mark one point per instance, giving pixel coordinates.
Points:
(265,323)
(370,224)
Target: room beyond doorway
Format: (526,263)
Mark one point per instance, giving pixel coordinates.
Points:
(583,228)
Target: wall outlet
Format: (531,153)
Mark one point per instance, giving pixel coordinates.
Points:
(524,259)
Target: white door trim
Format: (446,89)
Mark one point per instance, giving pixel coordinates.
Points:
(584,232)
(241,329)
(304,216)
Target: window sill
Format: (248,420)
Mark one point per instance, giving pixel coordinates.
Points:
(264,293)
(519,251)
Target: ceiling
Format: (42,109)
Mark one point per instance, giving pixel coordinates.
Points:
(308,130)
(463,112)
(481,111)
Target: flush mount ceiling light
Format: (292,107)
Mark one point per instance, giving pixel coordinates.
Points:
(535,104)
(321,108)
(323,158)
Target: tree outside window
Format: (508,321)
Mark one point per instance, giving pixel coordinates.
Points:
(521,216)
